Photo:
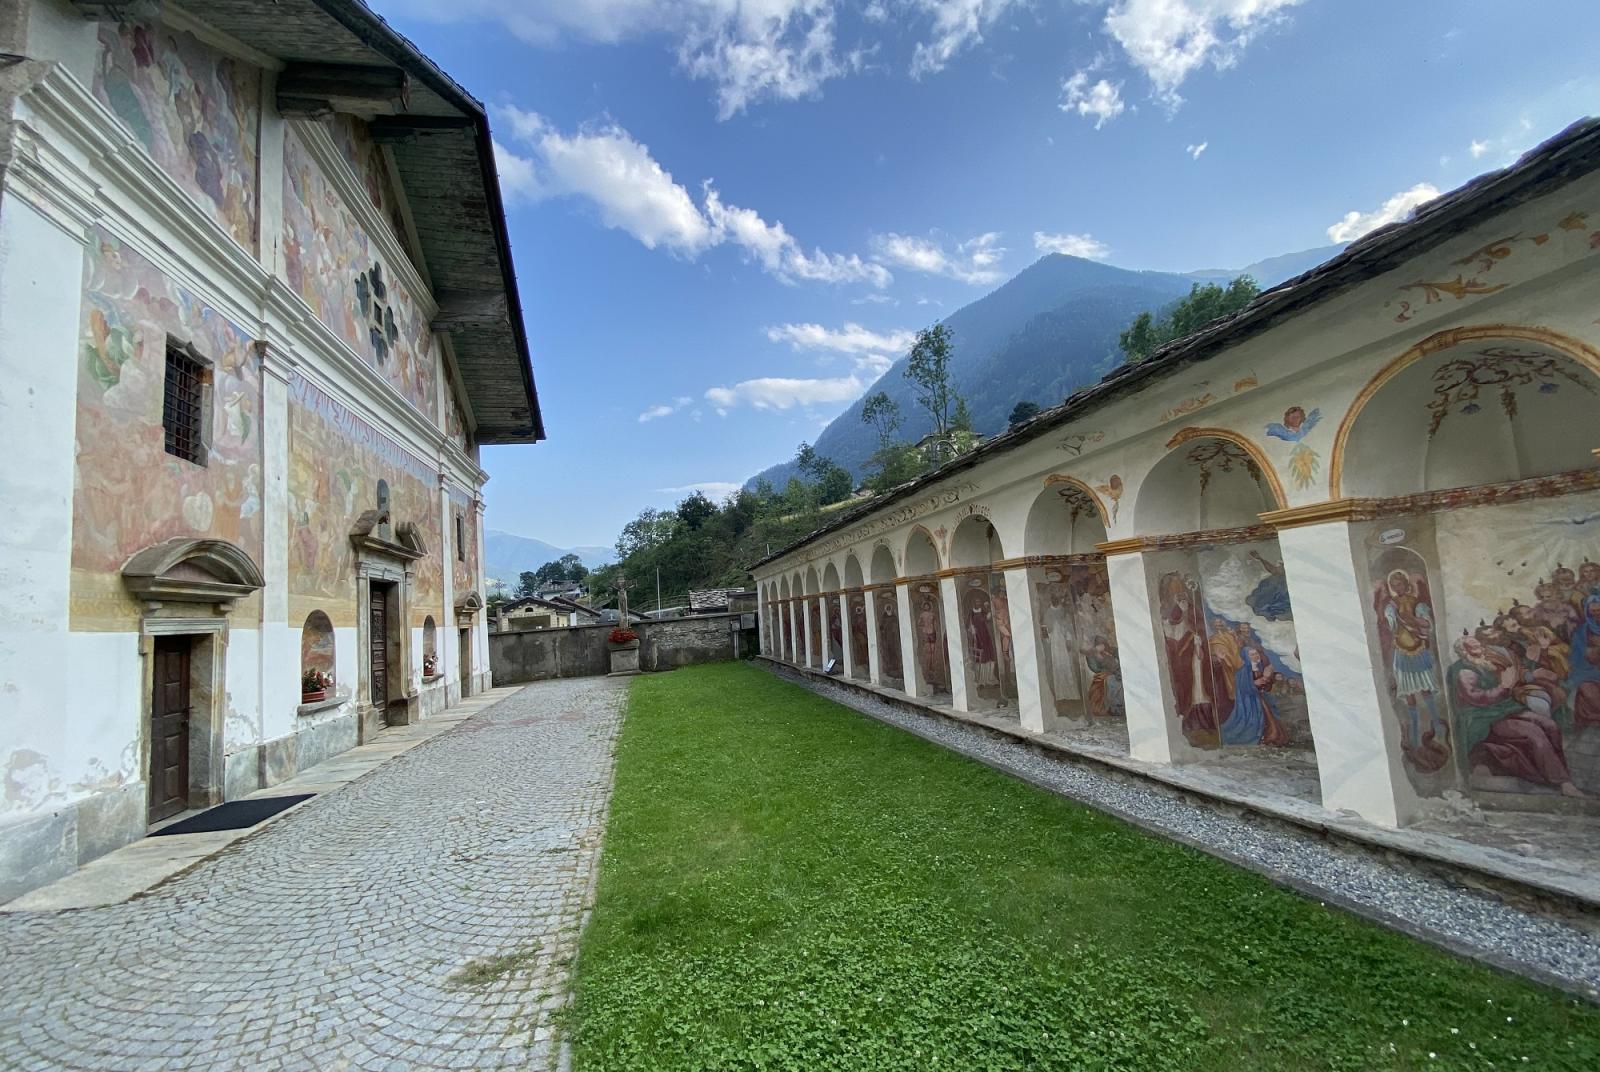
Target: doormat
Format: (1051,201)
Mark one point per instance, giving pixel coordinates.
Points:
(234,815)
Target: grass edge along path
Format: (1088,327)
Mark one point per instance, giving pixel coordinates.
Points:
(786,884)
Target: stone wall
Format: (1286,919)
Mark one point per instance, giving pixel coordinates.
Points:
(517,656)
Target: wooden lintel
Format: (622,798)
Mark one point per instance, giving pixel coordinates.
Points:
(468,308)
(305,107)
(343,87)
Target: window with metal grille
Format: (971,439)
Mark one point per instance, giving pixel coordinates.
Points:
(182,412)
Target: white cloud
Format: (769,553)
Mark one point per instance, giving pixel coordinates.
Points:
(771,246)
(1101,102)
(1196,150)
(1355,224)
(1170,39)
(632,192)
(874,299)
(711,489)
(874,365)
(957,24)
(1073,245)
(606,165)
(663,409)
(850,339)
(782,392)
(749,51)
(1478,148)
(974,261)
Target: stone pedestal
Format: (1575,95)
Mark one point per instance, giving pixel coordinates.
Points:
(625,659)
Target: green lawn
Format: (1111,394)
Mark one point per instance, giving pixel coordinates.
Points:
(788,885)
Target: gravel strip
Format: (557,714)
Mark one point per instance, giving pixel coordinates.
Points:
(1464,921)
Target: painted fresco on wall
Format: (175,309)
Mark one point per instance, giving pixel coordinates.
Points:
(1498,609)
(1231,657)
(1304,463)
(814,625)
(334,266)
(835,631)
(933,653)
(317,644)
(129,492)
(195,110)
(464,577)
(336,461)
(986,640)
(455,422)
(858,636)
(1082,668)
(366,160)
(787,622)
(891,664)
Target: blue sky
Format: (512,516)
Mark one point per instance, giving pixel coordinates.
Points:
(728,214)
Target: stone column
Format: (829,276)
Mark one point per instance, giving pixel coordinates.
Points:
(280,650)
(761,619)
(963,694)
(1358,743)
(797,640)
(1154,731)
(802,638)
(1035,702)
(847,644)
(908,644)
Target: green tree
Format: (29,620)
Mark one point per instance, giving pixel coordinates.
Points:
(928,367)
(894,464)
(1021,413)
(1204,304)
(572,567)
(961,419)
(527,583)
(695,510)
(832,481)
(883,413)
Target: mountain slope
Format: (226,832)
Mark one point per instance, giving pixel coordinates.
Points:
(507,555)
(1051,329)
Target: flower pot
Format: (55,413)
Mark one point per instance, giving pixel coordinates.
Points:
(314,697)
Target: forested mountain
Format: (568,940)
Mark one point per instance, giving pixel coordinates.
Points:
(1051,329)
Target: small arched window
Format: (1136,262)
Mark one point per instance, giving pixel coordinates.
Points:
(430,650)
(317,655)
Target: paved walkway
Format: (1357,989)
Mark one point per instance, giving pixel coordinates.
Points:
(422,917)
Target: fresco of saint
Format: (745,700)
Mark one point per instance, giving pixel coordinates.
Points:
(1252,719)
(858,634)
(1405,631)
(1506,713)
(980,637)
(889,661)
(1105,684)
(1055,627)
(931,655)
(1188,667)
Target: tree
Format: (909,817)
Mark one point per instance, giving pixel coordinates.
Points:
(572,567)
(527,583)
(1021,413)
(928,367)
(645,532)
(883,413)
(1204,304)
(961,419)
(832,481)
(694,510)
(895,464)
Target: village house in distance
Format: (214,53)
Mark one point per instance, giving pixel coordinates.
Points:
(257,315)
(1341,549)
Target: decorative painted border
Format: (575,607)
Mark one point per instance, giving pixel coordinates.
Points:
(1062,478)
(1244,443)
(1510,491)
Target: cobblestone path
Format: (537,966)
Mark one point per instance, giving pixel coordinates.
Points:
(423,917)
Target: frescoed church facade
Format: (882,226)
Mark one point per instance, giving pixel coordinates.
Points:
(256,318)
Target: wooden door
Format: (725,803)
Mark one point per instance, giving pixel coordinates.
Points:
(378,645)
(466,662)
(169,729)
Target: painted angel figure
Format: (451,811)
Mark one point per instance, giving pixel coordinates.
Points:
(1297,424)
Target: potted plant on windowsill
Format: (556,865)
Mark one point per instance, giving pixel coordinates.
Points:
(430,667)
(624,644)
(314,685)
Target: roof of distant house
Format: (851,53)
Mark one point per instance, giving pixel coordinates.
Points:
(713,598)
